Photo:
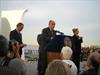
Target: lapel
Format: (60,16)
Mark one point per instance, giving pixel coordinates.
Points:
(50,32)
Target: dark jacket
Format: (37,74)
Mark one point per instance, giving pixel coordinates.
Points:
(77,43)
(48,34)
(14,35)
(44,38)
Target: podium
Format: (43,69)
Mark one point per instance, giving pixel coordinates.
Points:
(54,48)
(52,56)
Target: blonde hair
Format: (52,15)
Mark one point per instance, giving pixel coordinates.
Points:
(66,53)
(57,67)
(74,29)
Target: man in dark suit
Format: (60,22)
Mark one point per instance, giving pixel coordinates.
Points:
(77,40)
(48,34)
(16,35)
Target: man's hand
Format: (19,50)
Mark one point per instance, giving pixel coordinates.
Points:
(23,45)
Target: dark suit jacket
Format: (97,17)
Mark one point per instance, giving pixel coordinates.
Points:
(48,34)
(44,38)
(14,35)
(77,43)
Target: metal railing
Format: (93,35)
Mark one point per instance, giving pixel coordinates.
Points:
(31,55)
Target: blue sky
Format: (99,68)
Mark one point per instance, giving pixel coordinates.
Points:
(84,14)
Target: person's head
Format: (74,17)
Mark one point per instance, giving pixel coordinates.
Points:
(13,46)
(51,24)
(97,55)
(66,53)
(3,46)
(13,49)
(93,60)
(58,67)
(75,31)
(20,26)
(97,50)
(67,42)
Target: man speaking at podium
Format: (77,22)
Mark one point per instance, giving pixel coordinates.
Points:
(48,34)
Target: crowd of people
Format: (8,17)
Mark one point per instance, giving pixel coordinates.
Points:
(58,54)
(85,51)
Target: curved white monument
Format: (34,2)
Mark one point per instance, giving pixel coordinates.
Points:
(9,19)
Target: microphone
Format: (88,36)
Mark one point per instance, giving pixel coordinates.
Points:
(59,32)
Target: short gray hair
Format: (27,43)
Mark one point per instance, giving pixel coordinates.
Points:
(66,52)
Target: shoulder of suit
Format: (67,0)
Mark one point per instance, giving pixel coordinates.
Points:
(45,28)
(13,30)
